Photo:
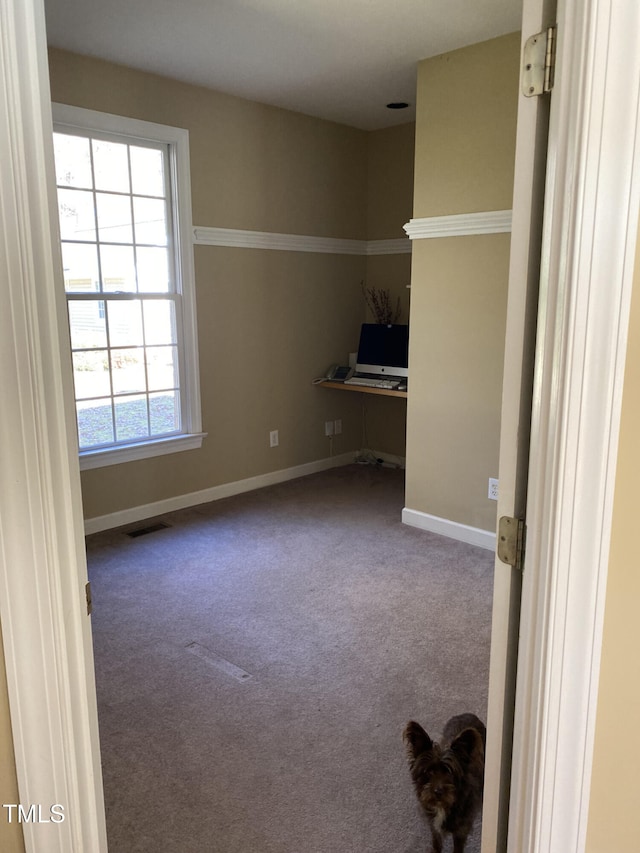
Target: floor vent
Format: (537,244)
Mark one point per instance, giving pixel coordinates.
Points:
(150,528)
(216,661)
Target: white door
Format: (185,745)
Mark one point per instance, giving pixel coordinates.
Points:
(517,388)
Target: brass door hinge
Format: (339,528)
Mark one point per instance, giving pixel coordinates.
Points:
(538,63)
(87,592)
(511,535)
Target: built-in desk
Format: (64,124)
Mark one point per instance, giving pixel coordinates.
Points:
(363,389)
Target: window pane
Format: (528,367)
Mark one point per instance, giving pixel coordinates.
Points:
(159,322)
(147,171)
(73,160)
(114,218)
(118,269)
(153,270)
(121,261)
(80,264)
(164,411)
(150,219)
(95,423)
(125,323)
(127,370)
(87,324)
(111,166)
(131,418)
(162,368)
(91,374)
(77,219)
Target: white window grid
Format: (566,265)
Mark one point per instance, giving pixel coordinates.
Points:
(173,142)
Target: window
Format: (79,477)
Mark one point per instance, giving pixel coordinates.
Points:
(124,212)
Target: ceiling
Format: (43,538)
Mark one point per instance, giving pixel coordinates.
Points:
(337,60)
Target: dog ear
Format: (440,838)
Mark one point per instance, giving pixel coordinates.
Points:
(467,745)
(416,739)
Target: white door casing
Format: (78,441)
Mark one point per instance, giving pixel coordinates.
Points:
(46,630)
(592,199)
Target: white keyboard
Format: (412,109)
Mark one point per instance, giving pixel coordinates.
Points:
(372,383)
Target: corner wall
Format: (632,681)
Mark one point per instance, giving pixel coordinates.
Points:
(390,160)
(465,149)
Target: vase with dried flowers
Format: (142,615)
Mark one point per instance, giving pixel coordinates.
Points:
(379,302)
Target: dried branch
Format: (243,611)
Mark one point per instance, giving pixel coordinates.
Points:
(378,300)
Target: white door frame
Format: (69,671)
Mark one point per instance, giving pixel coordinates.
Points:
(591,233)
(45,627)
(592,200)
(517,380)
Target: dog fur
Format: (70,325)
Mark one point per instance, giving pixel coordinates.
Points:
(448,776)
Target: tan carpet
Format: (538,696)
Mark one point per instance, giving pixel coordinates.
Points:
(257,660)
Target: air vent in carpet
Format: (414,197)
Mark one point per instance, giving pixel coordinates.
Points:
(150,528)
(219,663)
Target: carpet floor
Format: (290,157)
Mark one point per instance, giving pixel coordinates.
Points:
(258,657)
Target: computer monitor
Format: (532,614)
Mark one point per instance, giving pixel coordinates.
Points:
(383,350)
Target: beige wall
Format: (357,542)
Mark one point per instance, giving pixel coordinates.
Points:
(465,147)
(390,160)
(11,840)
(465,129)
(253,166)
(390,177)
(614,816)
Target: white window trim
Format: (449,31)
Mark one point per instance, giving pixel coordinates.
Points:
(68,117)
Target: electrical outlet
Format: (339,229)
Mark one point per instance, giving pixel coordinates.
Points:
(337,427)
(274,439)
(328,428)
(493,489)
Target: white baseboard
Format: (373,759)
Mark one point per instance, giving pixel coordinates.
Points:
(225,490)
(453,529)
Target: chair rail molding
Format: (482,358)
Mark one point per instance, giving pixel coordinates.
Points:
(459,225)
(245,239)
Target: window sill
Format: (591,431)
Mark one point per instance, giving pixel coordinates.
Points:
(142,450)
